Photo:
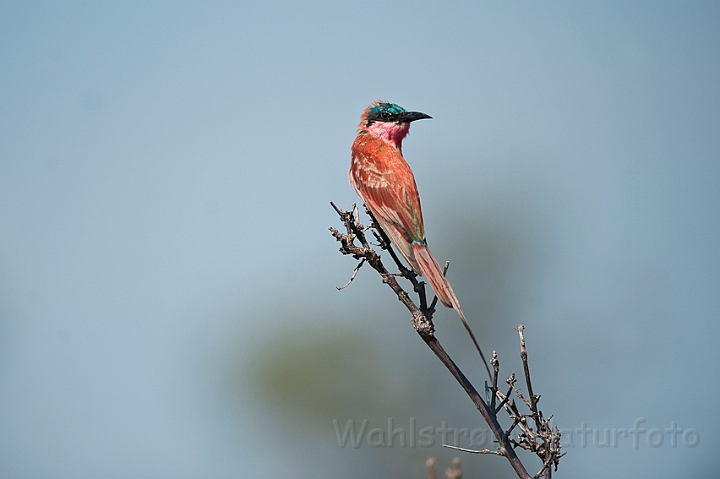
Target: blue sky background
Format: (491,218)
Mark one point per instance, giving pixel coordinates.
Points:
(167,281)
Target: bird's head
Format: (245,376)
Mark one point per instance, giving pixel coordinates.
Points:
(389,121)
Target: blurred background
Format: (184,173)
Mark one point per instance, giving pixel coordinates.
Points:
(167,281)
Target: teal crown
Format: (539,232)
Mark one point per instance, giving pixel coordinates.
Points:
(385,110)
(390,112)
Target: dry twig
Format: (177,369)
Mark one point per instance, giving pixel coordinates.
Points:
(543,440)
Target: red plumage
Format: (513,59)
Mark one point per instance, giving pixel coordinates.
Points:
(386,184)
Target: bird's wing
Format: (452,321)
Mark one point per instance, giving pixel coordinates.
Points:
(389,191)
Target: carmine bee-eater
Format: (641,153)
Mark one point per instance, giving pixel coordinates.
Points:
(384,181)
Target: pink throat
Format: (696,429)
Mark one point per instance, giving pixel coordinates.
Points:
(390,132)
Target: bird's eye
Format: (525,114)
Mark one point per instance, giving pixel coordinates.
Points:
(384,114)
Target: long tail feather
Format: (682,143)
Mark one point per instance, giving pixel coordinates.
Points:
(439,283)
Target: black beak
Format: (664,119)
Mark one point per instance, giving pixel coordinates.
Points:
(409,116)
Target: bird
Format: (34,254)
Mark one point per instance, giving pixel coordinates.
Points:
(386,184)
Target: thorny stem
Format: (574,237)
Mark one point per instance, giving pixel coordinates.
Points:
(421,321)
(505,448)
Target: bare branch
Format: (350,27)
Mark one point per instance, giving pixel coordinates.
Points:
(496,452)
(355,272)
(543,440)
(495,362)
